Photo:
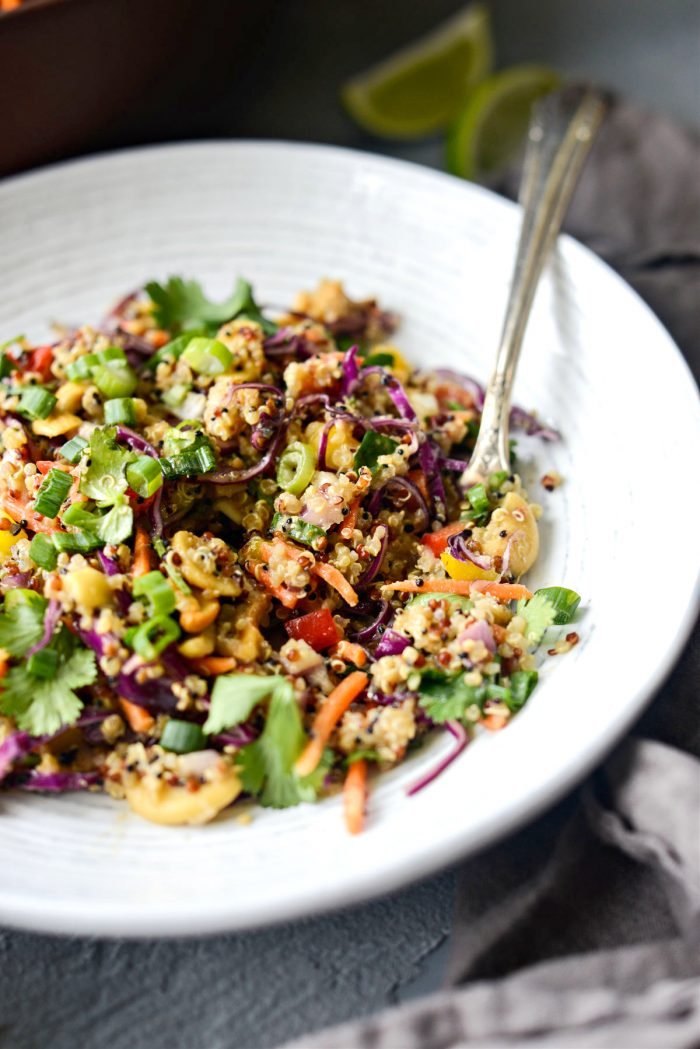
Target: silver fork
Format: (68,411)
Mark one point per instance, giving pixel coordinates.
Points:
(561,133)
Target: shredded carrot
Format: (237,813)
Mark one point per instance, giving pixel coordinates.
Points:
(355,796)
(214,665)
(3,666)
(288,598)
(350,653)
(333,577)
(44,465)
(502,591)
(142,552)
(15,509)
(494,722)
(158,337)
(327,718)
(139,719)
(350,520)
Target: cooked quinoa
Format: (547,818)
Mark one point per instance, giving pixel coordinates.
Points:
(237,557)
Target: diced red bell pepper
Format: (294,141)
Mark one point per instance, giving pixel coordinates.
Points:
(40,360)
(437,541)
(316,628)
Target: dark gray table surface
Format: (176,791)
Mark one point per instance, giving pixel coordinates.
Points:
(259,988)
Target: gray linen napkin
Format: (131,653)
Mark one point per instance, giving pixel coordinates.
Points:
(583,929)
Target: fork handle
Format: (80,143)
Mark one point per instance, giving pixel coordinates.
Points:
(561,133)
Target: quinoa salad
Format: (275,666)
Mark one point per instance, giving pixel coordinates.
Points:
(238,559)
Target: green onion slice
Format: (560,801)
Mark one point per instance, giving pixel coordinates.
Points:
(120,411)
(182,737)
(158,592)
(154,635)
(52,493)
(296,467)
(73,449)
(42,552)
(565,602)
(114,381)
(36,402)
(207,356)
(144,476)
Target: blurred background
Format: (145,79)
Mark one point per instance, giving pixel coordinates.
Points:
(83,75)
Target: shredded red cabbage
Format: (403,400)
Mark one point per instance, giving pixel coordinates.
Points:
(429,465)
(376,562)
(51,618)
(60,782)
(456,465)
(531,425)
(287,343)
(406,495)
(370,632)
(457,545)
(351,370)
(323,443)
(15,746)
(462,739)
(231,476)
(135,441)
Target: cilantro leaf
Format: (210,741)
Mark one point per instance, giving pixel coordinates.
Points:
(117,524)
(22,622)
(235,695)
(538,613)
(181,304)
(105,480)
(445,697)
(41,706)
(268,763)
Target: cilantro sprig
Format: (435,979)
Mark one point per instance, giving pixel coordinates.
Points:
(180,304)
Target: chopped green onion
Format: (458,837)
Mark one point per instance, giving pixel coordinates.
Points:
(182,737)
(144,476)
(478,499)
(158,592)
(42,552)
(522,682)
(120,411)
(175,396)
(73,449)
(154,635)
(76,542)
(43,663)
(207,356)
(296,467)
(52,493)
(36,402)
(382,360)
(198,458)
(565,602)
(497,479)
(114,381)
(77,516)
(111,354)
(308,534)
(373,445)
(82,367)
(460,602)
(174,349)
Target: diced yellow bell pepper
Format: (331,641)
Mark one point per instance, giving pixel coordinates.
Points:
(400,367)
(56,425)
(465,569)
(7,539)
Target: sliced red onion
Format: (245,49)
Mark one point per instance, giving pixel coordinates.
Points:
(394,389)
(15,746)
(17,580)
(479,631)
(287,343)
(135,441)
(376,562)
(60,782)
(462,739)
(391,644)
(369,633)
(51,618)
(457,545)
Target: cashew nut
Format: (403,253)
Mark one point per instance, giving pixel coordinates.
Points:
(208,563)
(238,634)
(159,802)
(517,520)
(197,647)
(195,617)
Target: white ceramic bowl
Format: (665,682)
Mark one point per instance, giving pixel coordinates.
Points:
(596,363)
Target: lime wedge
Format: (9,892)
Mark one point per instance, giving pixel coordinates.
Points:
(493,124)
(423,87)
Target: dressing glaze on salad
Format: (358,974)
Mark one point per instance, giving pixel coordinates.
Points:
(237,560)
